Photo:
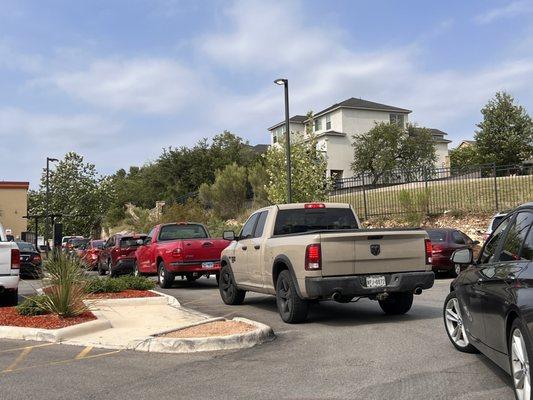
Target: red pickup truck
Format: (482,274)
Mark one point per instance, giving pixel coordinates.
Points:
(179,249)
(118,254)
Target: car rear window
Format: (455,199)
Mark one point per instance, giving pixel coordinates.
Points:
(26,246)
(182,231)
(128,241)
(305,220)
(437,236)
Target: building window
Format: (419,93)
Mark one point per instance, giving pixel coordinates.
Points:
(397,119)
(328,122)
(318,124)
(336,174)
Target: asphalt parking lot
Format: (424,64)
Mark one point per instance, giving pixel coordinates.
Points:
(344,351)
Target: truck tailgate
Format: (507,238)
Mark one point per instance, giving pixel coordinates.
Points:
(373,251)
(203,249)
(5,257)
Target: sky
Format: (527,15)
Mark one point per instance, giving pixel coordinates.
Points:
(118,81)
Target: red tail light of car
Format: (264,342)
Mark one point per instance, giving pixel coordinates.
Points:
(37,258)
(313,257)
(15,259)
(429,252)
(436,249)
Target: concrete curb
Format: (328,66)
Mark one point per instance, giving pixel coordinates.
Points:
(54,335)
(261,334)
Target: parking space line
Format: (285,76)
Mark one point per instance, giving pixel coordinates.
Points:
(26,347)
(24,353)
(60,362)
(84,352)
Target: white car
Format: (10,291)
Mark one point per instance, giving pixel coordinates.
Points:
(9,270)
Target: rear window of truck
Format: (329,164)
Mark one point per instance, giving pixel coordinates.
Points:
(182,231)
(130,241)
(305,220)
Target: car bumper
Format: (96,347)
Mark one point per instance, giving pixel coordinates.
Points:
(441,263)
(9,282)
(194,266)
(355,286)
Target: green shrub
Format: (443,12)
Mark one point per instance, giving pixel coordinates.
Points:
(414,206)
(114,285)
(32,306)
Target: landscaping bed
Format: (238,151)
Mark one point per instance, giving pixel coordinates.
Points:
(10,316)
(125,294)
(210,329)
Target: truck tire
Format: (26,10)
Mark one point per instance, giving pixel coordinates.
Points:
(229,292)
(101,271)
(292,308)
(397,303)
(10,298)
(136,271)
(112,274)
(164,278)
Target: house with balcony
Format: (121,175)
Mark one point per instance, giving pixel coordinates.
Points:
(335,125)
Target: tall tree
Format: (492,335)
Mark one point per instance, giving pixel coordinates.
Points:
(388,147)
(505,135)
(78,192)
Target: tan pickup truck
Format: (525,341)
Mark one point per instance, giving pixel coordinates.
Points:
(304,253)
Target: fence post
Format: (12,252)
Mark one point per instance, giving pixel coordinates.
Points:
(364,197)
(426,189)
(495,186)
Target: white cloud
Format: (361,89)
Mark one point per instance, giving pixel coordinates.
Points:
(146,85)
(512,9)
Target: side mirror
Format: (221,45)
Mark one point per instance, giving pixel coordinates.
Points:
(229,235)
(462,257)
(140,242)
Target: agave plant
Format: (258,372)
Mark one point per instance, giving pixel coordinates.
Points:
(65,294)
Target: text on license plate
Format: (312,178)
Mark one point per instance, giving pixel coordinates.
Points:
(375,281)
(207,265)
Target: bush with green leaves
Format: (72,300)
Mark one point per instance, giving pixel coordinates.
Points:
(414,206)
(32,305)
(114,285)
(66,292)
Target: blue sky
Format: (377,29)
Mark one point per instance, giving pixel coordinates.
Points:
(117,81)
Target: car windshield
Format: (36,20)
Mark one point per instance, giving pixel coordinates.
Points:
(312,219)
(437,236)
(78,242)
(130,241)
(25,246)
(182,231)
(98,244)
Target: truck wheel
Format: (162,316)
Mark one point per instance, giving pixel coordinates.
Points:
(229,291)
(164,278)
(136,271)
(101,271)
(112,274)
(291,307)
(11,298)
(397,303)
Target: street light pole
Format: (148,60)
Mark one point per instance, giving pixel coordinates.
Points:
(285,83)
(47,206)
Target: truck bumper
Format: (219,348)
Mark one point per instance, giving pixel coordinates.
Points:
(355,286)
(9,282)
(200,267)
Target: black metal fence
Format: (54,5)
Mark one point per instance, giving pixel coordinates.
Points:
(481,188)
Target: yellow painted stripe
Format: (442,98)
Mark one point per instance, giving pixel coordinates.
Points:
(24,353)
(84,352)
(27,347)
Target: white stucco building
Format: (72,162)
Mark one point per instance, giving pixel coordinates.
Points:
(335,126)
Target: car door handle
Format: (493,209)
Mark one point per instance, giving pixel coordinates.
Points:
(257,247)
(244,247)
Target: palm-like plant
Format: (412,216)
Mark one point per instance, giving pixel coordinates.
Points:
(66,292)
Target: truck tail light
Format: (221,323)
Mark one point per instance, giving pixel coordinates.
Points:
(15,259)
(429,252)
(314,205)
(177,252)
(313,257)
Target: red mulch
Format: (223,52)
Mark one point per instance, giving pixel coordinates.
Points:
(125,294)
(10,316)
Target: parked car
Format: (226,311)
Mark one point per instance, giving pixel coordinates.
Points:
(91,253)
(74,244)
(493,224)
(489,305)
(179,249)
(317,251)
(9,270)
(117,255)
(65,239)
(30,260)
(444,242)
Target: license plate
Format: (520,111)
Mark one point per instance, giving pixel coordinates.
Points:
(375,281)
(207,265)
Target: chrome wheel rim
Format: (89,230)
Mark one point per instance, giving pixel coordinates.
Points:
(135,270)
(457,269)
(520,366)
(454,323)
(161,275)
